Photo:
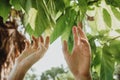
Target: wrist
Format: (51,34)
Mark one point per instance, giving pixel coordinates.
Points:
(17,72)
(83,76)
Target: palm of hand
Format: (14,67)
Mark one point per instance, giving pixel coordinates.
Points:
(33,52)
(79,60)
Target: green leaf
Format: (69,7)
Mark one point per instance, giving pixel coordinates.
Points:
(70,42)
(59,28)
(29,30)
(118,30)
(25,4)
(110,54)
(107,68)
(67,3)
(59,5)
(115,12)
(40,25)
(64,25)
(16,4)
(107,65)
(5,9)
(42,20)
(83,8)
(67,34)
(96,56)
(115,3)
(71,17)
(37,15)
(114,49)
(107,18)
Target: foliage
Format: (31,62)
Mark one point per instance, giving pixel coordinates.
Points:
(115,3)
(55,18)
(117,72)
(30,75)
(52,73)
(55,73)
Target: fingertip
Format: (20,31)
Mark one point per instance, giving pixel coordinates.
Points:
(41,39)
(33,37)
(64,45)
(48,38)
(47,41)
(79,30)
(74,29)
(65,42)
(80,25)
(26,43)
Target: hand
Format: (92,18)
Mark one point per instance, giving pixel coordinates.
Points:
(79,60)
(31,54)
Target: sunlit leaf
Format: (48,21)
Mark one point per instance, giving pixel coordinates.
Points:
(115,3)
(42,19)
(59,28)
(118,30)
(107,18)
(59,5)
(67,34)
(25,4)
(70,42)
(29,30)
(83,8)
(115,12)
(67,3)
(5,9)
(114,49)
(16,4)
(107,65)
(109,55)
(70,22)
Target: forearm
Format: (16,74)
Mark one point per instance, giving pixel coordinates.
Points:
(17,73)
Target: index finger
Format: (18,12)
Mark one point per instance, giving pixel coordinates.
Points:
(81,33)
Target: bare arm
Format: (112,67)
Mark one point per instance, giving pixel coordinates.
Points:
(31,54)
(79,60)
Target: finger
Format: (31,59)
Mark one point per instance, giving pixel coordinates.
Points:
(75,35)
(80,25)
(65,49)
(27,44)
(35,42)
(41,39)
(17,51)
(47,41)
(81,33)
(85,42)
(42,49)
(86,46)
(21,56)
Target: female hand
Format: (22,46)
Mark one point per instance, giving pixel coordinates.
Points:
(30,55)
(79,60)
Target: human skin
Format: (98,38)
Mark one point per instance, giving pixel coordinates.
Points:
(79,60)
(30,55)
